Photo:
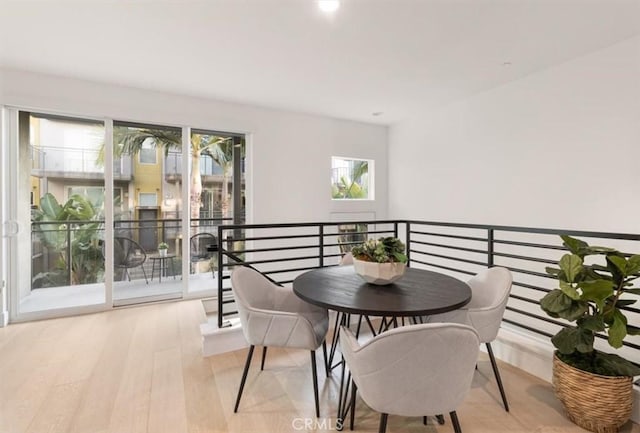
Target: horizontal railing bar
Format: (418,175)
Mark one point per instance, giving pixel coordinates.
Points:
(527,327)
(466,238)
(443,267)
(524,271)
(522,298)
(532,230)
(229,313)
(527,258)
(266,250)
(452,247)
(228,227)
(529,244)
(270,238)
(283,259)
(442,256)
(531,286)
(535,316)
(281,271)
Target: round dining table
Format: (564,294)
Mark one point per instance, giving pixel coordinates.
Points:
(417,294)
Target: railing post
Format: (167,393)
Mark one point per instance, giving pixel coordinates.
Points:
(490,248)
(321,244)
(220,254)
(69,258)
(408,242)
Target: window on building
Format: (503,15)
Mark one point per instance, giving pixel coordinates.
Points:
(148,199)
(351,179)
(148,152)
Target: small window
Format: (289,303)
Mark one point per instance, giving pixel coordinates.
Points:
(351,179)
(148,199)
(148,152)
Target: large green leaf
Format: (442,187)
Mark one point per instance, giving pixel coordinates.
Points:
(569,340)
(620,263)
(633,265)
(597,291)
(618,329)
(569,290)
(576,246)
(571,265)
(50,206)
(560,305)
(592,323)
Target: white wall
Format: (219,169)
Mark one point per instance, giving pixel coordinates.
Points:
(557,149)
(290,153)
(4,315)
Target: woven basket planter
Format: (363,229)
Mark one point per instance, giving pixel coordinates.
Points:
(597,403)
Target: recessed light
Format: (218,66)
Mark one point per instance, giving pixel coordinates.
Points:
(328,5)
(377,113)
(507,63)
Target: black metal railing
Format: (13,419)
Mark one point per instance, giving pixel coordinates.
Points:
(283,251)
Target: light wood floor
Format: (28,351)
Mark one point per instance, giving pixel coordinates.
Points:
(141,370)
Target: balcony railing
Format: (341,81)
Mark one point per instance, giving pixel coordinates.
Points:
(283,251)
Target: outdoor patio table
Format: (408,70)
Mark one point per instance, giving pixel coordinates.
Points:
(161,263)
(418,293)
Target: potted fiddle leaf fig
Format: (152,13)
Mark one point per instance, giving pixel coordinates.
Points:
(594,284)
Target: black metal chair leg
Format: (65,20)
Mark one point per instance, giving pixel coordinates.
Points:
(352,420)
(424,420)
(314,372)
(327,367)
(455,422)
(440,419)
(494,364)
(244,377)
(383,423)
(264,355)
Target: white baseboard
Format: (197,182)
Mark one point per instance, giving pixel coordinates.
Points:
(534,355)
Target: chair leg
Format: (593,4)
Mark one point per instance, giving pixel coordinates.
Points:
(327,367)
(440,419)
(455,422)
(383,423)
(352,420)
(244,377)
(314,371)
(494,365)
(145,274)
(424,420)
(264,355)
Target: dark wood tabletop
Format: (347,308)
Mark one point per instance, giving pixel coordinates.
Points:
(418,293)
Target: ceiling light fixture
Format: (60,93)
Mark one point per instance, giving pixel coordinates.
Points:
(329,6)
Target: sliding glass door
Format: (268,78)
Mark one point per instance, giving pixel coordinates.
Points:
(118,212)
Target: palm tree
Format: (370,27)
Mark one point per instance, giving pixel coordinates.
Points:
(130,141)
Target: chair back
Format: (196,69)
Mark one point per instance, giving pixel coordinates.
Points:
(414,370)
(251,290)
(127,253)
(198,244)
(490,292)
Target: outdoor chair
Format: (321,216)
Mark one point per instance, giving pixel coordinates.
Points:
(490,292)
(199,247)
(273,315)
(413,370)
(128,254)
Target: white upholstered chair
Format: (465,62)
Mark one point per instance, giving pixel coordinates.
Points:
(490,292)
(273,315)
(413,370)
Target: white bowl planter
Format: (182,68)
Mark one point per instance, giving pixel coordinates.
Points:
(379,273)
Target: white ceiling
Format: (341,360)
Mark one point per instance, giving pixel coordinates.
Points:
(389,56)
